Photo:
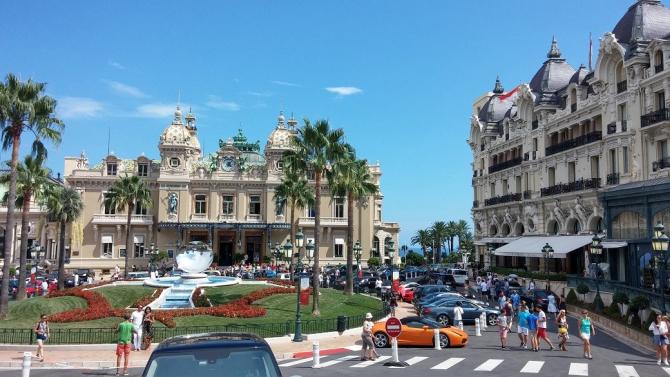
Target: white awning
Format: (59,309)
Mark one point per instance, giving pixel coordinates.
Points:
(613,244)
(532,246)
(138,238)
(498,240)
(107,239)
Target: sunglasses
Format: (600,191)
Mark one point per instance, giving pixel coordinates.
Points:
(44,317)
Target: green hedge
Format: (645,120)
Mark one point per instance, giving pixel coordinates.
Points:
(528,275)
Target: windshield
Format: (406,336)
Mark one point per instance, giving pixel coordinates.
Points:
(213,362)
(430,323)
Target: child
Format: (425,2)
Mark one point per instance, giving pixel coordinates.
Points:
(502,328)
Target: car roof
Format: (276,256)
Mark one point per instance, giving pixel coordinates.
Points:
(211,340)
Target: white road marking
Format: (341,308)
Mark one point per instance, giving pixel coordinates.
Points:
(489,365)
(337,361)
(667,370)
(367,363)
(412,361)
(291,363)
(532,367)
(579,369)
(626,371)
(448,364)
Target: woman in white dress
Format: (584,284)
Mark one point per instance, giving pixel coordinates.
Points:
(551,304)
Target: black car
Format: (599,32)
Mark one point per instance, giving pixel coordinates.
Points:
(85,273)
(446,279)
(424,290)
(213,354)
(536,297)
(13,288)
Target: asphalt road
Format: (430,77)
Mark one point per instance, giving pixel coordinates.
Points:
(482,356)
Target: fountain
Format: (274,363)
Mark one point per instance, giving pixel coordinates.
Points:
(193,259)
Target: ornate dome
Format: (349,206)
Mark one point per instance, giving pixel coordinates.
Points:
(279,138)
(580,76)
(644,21)
(554,74)
(495,110)
(177,133)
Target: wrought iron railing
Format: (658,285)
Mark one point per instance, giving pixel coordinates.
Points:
(573,107)
(613,179)
(624,125)
(655,117)
(574,143)
(108,335)
(579,185)
(527,194)
(535,124)
(658,68)
(621,86)
(502,199)
(611,128)
(611,286)
(661,164)
(475,203)
(505,165)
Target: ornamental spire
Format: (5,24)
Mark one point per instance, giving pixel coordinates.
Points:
(498,88)
(554,53)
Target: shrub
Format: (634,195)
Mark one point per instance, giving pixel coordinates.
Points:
(200,299)
(583,289)
(639,303)
(374,261)
(572,297)
(620,298)
(613,310)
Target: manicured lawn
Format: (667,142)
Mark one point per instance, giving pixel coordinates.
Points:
(124,296)
(25,313)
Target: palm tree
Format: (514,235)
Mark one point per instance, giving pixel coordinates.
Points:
(451,234)
(351,178)
(65,206)
(422,238)
(23,106)
(461,229)
(314,148)
(440,233)
(128,192)
(297,192)
(31,178)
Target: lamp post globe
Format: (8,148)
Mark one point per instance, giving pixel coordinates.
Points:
(357,254)
(299,241)
(596,249)
(660,245)
(310,251)
(492,252)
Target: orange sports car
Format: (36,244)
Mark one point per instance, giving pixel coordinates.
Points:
(417,331)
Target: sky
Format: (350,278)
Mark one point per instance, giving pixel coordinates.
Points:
(399,77)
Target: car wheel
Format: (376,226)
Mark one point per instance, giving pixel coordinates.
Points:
(366,289)
(443,319)
(492,319)
(381,340)
(444,341)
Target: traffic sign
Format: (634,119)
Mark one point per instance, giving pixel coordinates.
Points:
(388,272)
(393,327)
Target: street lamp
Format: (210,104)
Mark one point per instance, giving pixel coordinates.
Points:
(660,245)
(288,256)
(492,252)
(548,253)
(310,252)
(278,254)
(299,241)
(391,253)
(357,254)
(596,250)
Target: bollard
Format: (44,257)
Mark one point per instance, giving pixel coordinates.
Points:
(482,319)
(315,355)
(437,340)
(478,331)
(460,325)
(25,371)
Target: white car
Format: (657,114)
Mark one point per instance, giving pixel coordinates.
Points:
(460,275)
(283,276)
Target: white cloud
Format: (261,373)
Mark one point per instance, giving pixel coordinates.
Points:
(344,90)
(125,90)
(261,94)
(74,107)
(115,64)
(157,110)
(217,103)
(284,83)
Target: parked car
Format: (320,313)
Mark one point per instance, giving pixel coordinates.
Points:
(444,313)
(460,275)
(408,295)
(536,297)
(420,332)
(283,276)
(33,289)
(139,275)
(85,273)
(446,279)
(442,300)
(213,354)
(403,287)
(12,288)
(423,290)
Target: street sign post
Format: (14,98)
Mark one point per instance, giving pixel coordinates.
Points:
(393,329)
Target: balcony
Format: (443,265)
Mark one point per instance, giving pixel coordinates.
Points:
(655,117)
(475,204)
(329,221)
(483,147)
(199,217)
(528,194)
(535,124)
(502,199)
(574,143)
(658,68)
(580,185)
(661,164)
(254,218)
(474,174)
(611,128)
(621,86)
(505,165)
(122,218)
(224,218)
(624,125)
(573,107)
(526,156)
(612,179)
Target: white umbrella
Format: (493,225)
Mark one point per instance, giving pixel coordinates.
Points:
(514,276)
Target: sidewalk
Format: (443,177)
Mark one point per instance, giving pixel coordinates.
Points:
(102,356)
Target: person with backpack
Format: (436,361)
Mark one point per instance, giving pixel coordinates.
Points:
(43,333)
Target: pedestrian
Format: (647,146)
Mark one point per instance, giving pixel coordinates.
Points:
(125,330)
(393,304)
(484,290)
(321,280)
(561,303)
(458,313)
(76,279)
(562,323)
(532,329)
(660,330)
(586,330)
(366,336)
(327,281)
(137,319)
(502,328)
(44,287)
(378,285)
(43,333)
(501,300)
(522,326)
(515,301)
(148,327)
(551,304)
(542,327)
(507,309)
(531,285)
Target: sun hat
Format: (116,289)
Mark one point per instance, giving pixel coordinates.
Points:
(368,315)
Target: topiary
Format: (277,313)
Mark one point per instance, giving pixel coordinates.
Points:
(572,297)
(640,303)
(583,289)
(620,298)
(613,310)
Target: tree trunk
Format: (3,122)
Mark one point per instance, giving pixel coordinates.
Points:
(9,232)
(349,286)
(317,242)
(128,240)
(292,232)
(21,294)
(61,256)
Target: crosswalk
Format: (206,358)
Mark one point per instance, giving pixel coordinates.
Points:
(490,365)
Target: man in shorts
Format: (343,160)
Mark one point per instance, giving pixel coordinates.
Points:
(532,330)
(125,331)
(522,326)
(542,327)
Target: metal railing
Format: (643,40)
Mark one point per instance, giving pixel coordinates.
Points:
(655,117)
(573,107)
(108,336)
(611,128)
(573,143)
(658,68)
(534,124)
(621,86)
(581,184)
(502,199)
(661,164)
(528,194)
(613,179)
(612,286)
(505,165)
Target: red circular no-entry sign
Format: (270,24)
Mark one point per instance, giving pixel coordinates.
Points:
(393,327)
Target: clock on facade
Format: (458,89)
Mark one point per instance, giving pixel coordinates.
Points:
(228,164)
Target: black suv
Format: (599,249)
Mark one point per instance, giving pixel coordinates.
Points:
(537,297)
(85,273)
(446,279)
(213,354)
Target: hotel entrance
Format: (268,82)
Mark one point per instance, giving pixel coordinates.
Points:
(226,248)
(253,244)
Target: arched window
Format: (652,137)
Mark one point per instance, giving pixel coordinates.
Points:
(658,62)
(576,227)
(621,80)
